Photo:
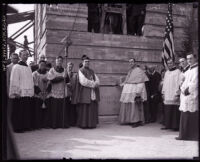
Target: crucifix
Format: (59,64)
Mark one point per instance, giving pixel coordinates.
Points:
(67,45)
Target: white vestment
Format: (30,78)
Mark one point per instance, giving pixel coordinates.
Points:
(21,81)
(190,102)
(89,83)
(171,89)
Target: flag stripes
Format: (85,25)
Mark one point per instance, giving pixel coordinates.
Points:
(168,44)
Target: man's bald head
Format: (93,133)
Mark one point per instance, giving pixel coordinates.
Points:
(42,57)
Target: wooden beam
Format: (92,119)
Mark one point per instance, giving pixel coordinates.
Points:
(20,29)
(19,17)
(23,31)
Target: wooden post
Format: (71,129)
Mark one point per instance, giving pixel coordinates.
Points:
(68,43)
(124,24)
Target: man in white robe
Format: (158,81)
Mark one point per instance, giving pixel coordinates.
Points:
(12,152)
(183,67)
(183,64)
(11,102)
(22,88)
(171,96)
(14,60)
(189,102)
(58,109)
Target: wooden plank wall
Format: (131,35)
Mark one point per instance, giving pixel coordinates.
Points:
(195,31)
(109,53)
(40,28)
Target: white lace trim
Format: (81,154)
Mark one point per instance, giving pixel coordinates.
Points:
(58,94)
(128,97)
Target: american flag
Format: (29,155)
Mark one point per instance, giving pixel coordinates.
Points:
(168,44)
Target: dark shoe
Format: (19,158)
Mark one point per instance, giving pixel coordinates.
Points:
(140,124)
(164,128)
(83,127)
(135,125)
(91,127)
(152,121)
(161,122)
(176,129)
(19,131)
(178,138)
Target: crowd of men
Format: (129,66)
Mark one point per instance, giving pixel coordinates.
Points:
(171,96)
(41,96)
(56,97)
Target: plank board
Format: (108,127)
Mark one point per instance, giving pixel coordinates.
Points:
(153,18)
(99,53)
(117,41)
(158,31)
(106,67)
(68,10)
(66,23)
(181,9)
(115,53)
(142,43)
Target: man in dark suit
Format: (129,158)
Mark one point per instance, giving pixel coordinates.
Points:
(135,18)
(154,80)
(93,17)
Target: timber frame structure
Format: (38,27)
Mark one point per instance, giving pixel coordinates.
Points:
(16,17)
(109,53)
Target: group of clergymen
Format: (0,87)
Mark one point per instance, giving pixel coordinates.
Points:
(174,93)
(43,97)
(57,97)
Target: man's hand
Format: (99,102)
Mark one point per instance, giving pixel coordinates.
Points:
(44,79)
(69,85)
(96,85)
(15,95)
(163,97)
(60,77)
(137,94)
(177,98)
(142,12)
(186,92)
(121,85)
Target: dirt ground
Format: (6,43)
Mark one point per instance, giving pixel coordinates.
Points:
(107,141)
